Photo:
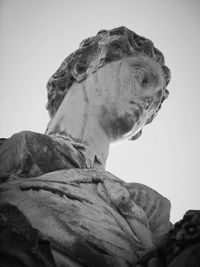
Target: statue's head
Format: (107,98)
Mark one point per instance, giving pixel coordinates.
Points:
(126,48)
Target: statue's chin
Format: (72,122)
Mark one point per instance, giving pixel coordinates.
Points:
(129,125)
(125,127)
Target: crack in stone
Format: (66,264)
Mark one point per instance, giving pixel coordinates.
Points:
(74,183)
(56,191)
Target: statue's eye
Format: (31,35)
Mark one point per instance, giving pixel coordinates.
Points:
(144,82)
(142,77)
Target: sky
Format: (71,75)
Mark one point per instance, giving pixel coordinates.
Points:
(36,36)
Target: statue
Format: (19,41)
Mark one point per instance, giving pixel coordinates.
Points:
(77,213)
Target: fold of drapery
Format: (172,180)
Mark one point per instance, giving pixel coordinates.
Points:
(30,154)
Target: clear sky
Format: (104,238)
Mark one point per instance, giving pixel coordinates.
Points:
(36,36)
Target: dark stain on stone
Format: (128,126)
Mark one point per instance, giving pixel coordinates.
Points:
(90,255)
(56,191)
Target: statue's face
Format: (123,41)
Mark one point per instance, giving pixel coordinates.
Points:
(124,94)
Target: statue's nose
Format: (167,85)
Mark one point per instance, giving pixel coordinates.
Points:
(152,93)
(152,99)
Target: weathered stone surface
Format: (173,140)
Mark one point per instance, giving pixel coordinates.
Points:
(106,91)
(189,257)
(29,154)
(91,215)
(20,243)
(94,52)
(181,247)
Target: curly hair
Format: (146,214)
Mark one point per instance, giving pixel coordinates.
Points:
(93,53)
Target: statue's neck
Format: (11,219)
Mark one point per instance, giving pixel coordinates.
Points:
(74,119)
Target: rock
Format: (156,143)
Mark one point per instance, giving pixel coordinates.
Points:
(181,246)
(20,243)
(30,154)
(106,91)
(189,257)
(82,226)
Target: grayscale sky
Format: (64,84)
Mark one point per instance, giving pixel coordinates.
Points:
(36,36)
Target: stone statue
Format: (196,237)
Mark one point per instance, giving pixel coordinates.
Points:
(76,213)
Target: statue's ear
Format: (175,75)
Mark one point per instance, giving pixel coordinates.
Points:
(79,71)
(136,136)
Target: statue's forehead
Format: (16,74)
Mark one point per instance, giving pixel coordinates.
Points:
(136,62)
(145,63)
(141,60)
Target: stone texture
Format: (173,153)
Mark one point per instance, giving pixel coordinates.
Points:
(94,52)
(20,243)
(29,154)
(56,182)
(181,246)
(91,217)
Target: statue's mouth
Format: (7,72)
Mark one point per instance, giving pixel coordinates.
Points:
(140,107)
(147,105)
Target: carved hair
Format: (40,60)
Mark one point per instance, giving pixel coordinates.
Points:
(93,53)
